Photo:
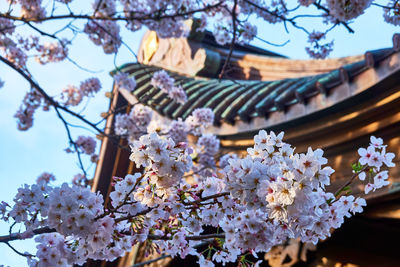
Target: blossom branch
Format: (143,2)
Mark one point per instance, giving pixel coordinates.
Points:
(355,175)
(18,252)
(345,24)
(151,261)
(17,236)
(207,198)
(57,105)
(193,237)
(154,16)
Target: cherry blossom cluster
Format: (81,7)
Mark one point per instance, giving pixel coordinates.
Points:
(165,161)
(317,50)
(104,8)
(52,52)
(90,87)
(391,14)
(139,122)
(249,32)
(9,48)
(105,34)
(306,2)
(73,95)
(372,159)
(207,149)
(46,178)
(31,102)
(123,81)
(133,125)
(6,26)
(166,83)
(77,215)
(200,119)
(258,201)
(86,144)
(31,9)
(345,10)
(286,193)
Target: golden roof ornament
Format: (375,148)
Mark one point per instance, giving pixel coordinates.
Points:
(150,46)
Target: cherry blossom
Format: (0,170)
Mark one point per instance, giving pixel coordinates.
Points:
(105,34)
(346,10)
(372,159)
(392,14)
(52,52)
(317,50)
(46,177)
(122,80)
(306,2)
(87,144)
(200,119)
(166,83)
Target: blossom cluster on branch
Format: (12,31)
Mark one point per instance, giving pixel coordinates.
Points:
(257,202)
(166,83)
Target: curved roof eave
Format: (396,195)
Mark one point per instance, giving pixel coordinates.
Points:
(243,105)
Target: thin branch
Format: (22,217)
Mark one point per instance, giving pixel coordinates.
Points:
(193,237)
(283,18)
(47,97)
(345,24)
(123,202)
(351,179)
(221,75)
(143,212)
(273,44)
(17,236)
(167,256)
(71,141)
(151,261)
(207,198)
(154,16)
(18,252)
(54,103)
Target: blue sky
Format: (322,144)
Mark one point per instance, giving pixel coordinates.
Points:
(25,155)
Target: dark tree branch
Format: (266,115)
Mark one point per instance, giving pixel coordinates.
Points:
(17,236)
(345,24)
(18,252)
(154,16)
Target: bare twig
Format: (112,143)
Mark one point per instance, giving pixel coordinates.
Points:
(18,252)
(351,179)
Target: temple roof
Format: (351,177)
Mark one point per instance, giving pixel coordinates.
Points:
(244,105)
